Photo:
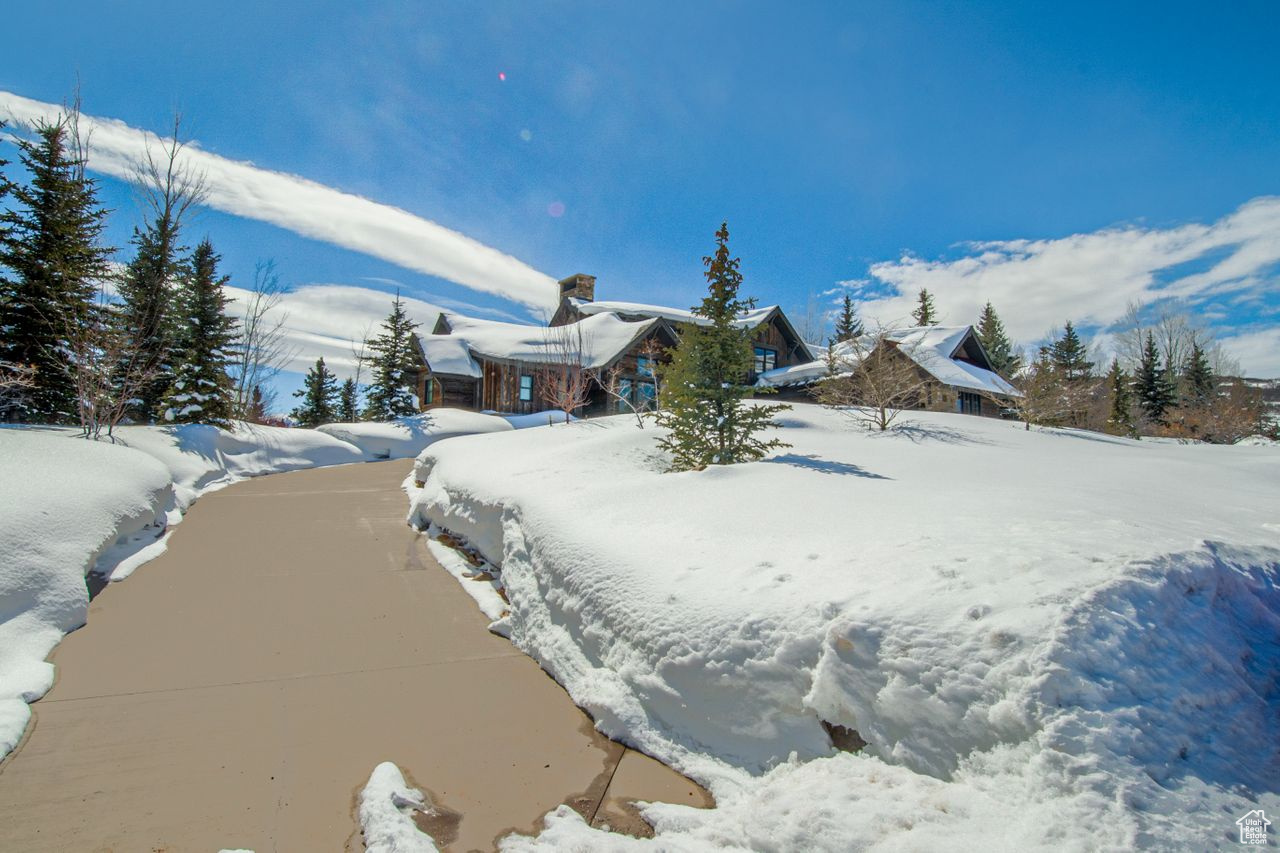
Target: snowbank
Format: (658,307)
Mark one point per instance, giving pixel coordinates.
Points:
(404,438)
(387,804)
(64,503)
(1047,639)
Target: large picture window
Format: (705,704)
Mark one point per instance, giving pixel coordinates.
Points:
(526,389)
(766,359)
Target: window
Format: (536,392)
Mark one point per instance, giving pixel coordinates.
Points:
(644,366)
(624,392)
(646,396)
(766,359)
(428,391)
(968,403)
(526,389)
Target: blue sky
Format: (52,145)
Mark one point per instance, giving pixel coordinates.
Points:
(1059,161)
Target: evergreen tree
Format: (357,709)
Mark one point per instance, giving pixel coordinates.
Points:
(393,366)
(991,334)
(319,392)
(202,346)
(1152,384)
(925,314)
(848,323)
(703,404)
(1197,377)
(348,401)
(50,246)
(148,292)
(256,412)
(1120,419)
(1070,356)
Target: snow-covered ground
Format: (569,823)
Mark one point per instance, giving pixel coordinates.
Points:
(69,507)
(1047,639)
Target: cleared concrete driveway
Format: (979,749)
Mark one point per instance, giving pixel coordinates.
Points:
(237,691)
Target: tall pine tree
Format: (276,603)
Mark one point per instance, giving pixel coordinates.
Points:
(393,367)
(1070,356)
(348,401)
(848,323)
(1120,418)
(1005,359)
(704,399)
(319,392)
(1153,385)
(925,314)
(51,248)
(203,345)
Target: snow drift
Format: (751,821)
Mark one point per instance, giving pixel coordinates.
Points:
(1046,639)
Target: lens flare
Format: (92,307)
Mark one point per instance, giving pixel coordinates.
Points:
(555,209)
(502,75)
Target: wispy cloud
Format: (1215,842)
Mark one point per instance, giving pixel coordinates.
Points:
(1258,351)
(322,321)
(316,211)
(1091,278)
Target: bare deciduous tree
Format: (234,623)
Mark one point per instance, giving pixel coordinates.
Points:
(167,187)
(625,393)
(562,381)
(107,372)
(1175,331)
(264,346)
(15,380)
(1048,398)
(873,379)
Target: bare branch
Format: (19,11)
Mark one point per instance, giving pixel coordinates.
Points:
(563,381)
(874,379)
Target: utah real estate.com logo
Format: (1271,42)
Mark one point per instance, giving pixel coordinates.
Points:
(1253,827)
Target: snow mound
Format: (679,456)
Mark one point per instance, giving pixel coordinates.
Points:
(387,804)
(1046,639)
(1257,441)
(404,438)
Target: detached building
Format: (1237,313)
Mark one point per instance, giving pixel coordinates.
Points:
(955,368)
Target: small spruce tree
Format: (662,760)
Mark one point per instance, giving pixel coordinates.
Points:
(1120,419)
(1005,359)
(319,393)
(393,367)
(925,314)
(1153,385)
(202,347)
(51,248)
(848,323)
(1197,377)
(1070,356)
(348,401)
(704,401)
(256,411)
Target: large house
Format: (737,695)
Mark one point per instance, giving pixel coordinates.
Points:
(485,365)
(956,372)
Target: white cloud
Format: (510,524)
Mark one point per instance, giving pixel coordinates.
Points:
(316,211)
(1258,351)
(322,320)
(1087,278)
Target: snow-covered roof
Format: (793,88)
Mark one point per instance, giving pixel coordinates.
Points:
(604,337)
(749,319)
(795,374)
(934,348)
(449,354)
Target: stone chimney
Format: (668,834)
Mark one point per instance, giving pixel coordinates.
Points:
(580,285)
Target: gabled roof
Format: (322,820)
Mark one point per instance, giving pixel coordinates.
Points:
(941,351)
(936,350)
(629,310)
(749,319)
(457,340)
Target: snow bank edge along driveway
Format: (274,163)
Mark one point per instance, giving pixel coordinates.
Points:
(1048,638)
